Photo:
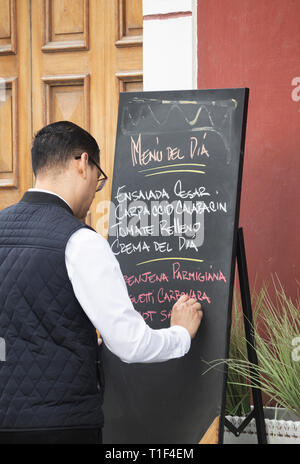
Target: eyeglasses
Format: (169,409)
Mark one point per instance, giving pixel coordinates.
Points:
(101,180)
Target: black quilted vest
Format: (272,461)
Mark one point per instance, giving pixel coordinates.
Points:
(51,376)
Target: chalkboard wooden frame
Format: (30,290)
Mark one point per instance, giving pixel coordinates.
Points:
(225,111)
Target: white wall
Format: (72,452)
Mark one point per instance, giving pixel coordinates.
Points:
(170,44)
(166,6)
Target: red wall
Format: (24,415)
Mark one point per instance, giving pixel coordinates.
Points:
(256,44)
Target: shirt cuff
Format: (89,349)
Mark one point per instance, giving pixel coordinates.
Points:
(184,335)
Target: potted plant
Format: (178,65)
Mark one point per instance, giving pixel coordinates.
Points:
(276,320)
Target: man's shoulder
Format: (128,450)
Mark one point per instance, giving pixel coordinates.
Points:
(86,234)
(50,224)
(7,209)
(86,241)
(10,213)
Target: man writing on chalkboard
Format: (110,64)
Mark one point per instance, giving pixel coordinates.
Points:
(59,280)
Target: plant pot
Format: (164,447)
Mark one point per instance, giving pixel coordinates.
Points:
(282,427)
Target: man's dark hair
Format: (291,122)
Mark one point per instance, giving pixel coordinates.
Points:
(57,143)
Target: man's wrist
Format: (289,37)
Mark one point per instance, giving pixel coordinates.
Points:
(185,335)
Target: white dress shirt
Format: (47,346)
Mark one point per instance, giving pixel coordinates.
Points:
(100,288)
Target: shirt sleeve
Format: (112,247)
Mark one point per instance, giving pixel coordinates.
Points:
(101,290)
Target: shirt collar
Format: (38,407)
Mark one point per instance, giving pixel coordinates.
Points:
(35,195)
(33,189)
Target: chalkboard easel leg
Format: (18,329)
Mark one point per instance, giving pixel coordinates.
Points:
(257,412)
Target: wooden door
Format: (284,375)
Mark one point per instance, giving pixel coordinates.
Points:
(15,100)
(64,60)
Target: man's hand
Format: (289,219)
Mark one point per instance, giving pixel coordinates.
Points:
(187,312)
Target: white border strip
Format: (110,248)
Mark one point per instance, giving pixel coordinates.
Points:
(195,43)
(151,7)
(170,45)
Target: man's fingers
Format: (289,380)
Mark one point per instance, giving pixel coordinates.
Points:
(187,312)
(196,306)
(182,299)
(188,303)
(200,314)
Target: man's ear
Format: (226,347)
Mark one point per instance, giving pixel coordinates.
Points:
(82,164)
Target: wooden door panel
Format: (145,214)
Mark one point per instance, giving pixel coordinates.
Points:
(66,25)
(7,27)
(67,98)
(4,19)
(133,17)
(67,103)
(130,81)
(15,104)
(129,23)
(64,65)
(61,67)
(8,134)
(132,86)
(68,16)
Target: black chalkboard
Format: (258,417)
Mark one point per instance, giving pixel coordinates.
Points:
(176,191)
